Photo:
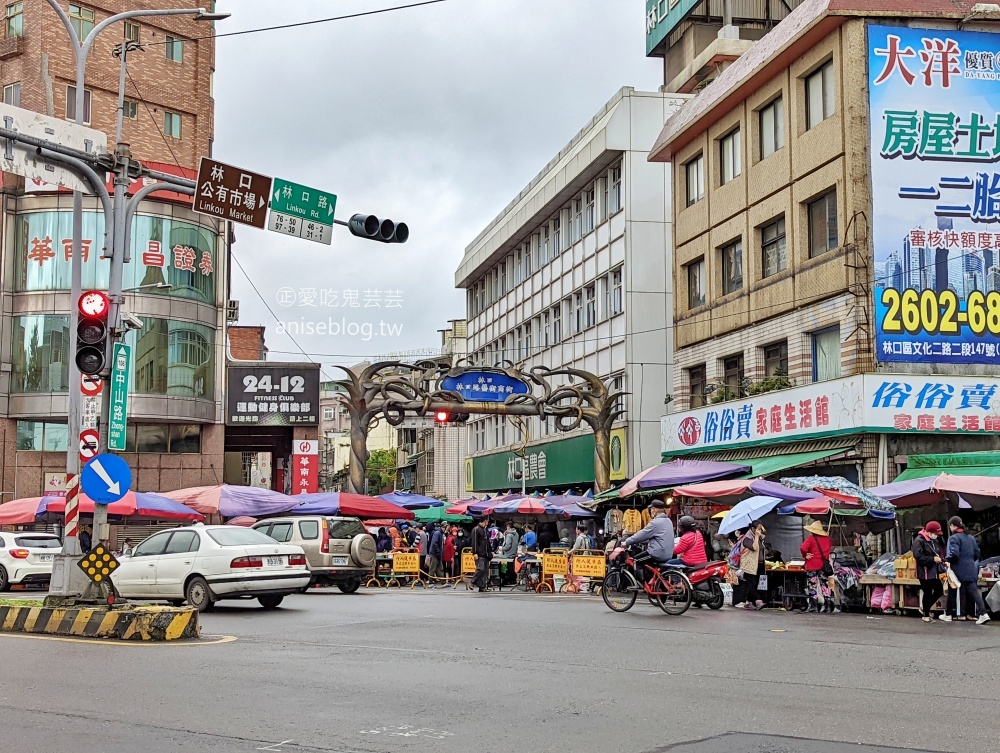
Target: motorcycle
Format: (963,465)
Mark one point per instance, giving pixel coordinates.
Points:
(707,582)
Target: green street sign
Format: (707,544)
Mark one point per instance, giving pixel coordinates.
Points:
(121,364)
(301,201)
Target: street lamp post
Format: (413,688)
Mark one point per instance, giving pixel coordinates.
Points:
(81,51)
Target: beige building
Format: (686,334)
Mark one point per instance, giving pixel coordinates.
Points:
(774,261)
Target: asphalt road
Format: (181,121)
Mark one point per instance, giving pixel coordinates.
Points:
(451,672)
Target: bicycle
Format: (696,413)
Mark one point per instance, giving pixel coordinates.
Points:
(669,589)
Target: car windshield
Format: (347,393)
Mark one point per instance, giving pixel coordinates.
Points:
(239,537)
(345,529)
(38,542)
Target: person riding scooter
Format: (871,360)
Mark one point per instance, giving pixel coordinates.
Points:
(690,549)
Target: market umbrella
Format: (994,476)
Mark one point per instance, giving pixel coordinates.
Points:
(345,503)
(746,512)
(679,473)
(21,512)
(838,487)
(572,504)
(528,508)
(411,501)
(133,505)
(914,492)
(475,506)
(736,488)
(242,521)
(439,514)
(232,501)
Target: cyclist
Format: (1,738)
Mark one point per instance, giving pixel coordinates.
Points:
(658,535)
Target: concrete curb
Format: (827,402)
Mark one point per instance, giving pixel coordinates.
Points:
(137,624)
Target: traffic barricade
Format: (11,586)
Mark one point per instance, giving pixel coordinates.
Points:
(586,566)
(468,570)
(555,567)
(406,562)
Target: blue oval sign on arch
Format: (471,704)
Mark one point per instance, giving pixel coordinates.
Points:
(484,386)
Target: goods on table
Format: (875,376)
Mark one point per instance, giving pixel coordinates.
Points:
(905,566)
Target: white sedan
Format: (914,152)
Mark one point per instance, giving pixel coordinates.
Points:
(27,557)
(202,564)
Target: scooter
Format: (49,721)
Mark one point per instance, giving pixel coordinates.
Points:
(706,581)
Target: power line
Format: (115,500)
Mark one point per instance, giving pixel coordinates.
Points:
(151,117)
(309,23)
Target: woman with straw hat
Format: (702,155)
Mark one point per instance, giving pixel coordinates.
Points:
(816,550)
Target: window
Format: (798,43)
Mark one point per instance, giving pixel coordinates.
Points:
(171,124)
(130,109)
(616,292)
(695,172)
(617,384)
(729,156)
(823,224)
(589,212)
(527,260)
(696,283)
(776,359)
(545,245)
(132,32)
(519,340)
(577,219)
(527,340)
(536,243)
(556,238)
(775,255)
(81,19)
(772,128)
(696,385)
(602,189)
(591,295)
(732,267)
(309,529)
(826,354)
(40,359)
(174,49)
(235,536)
(42,436)
(12,94)
(154,544)
(615,199)
(328,414)
(15,20)
(819,95)
(546,329)
(556,323)
(182,542)
(578,312)
(732,371)
(71,104)
(503,276)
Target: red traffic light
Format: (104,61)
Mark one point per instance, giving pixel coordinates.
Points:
(94,303)
(441,416)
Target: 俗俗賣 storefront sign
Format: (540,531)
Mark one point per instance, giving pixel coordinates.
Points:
(934,101)
(880,403)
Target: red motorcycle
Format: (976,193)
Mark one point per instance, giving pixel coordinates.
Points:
(706,581)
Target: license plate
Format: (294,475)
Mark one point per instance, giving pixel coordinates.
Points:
(275,561)
(44,557)
(340,560)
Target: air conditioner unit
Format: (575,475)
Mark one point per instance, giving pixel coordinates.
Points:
(232,312)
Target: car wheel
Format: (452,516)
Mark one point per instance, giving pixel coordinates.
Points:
(4,582)
(270,601)
(198,595)
(350,585)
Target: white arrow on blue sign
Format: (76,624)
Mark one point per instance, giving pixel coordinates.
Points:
(106,479)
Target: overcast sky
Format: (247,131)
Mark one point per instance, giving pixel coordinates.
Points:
(437,116)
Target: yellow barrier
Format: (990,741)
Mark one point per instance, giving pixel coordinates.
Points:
(405,562)
(591,563)
(555,562)
(468,562)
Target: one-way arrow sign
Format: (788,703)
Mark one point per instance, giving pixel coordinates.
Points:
(106,479)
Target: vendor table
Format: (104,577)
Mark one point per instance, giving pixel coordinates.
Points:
(906,592)
(786,588)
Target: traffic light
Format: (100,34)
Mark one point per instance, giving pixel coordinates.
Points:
(369,226)
(92,332)
(444,418)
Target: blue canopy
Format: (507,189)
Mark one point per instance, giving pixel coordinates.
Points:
(411,501)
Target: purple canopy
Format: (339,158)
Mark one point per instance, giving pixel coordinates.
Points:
(680,472)
(411,501)
(571,503)
(912,493)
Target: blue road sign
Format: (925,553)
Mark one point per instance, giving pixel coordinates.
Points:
(106,479)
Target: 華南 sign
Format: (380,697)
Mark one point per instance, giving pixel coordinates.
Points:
(273,395)
(232,193)
(305,466)
(934,98)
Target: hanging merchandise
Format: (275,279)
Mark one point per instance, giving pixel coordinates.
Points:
(632,521)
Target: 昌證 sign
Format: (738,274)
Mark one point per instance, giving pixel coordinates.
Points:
(273,395)
(880,403)
(935,140)
(484,386)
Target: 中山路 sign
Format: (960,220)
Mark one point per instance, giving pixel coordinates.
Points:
(879,403)
(934,99)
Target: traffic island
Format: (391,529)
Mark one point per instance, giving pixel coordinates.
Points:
(125,623)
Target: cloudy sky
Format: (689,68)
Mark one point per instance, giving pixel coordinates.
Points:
(437,116)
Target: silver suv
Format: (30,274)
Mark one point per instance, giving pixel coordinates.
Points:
(339,551)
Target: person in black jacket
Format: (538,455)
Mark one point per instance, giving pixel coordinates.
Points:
(963,559)
(929,554)
(482,552)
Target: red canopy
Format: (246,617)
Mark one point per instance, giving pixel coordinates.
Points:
(361,506)
(714,489)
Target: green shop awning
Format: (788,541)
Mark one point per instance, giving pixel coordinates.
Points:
(958,464)
(764,467)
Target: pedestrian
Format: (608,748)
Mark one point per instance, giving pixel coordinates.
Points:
(127,548)
(929,554)
(410,534)
(482,553)
(752,564)
(397,538)
(817,550)
(508,550)
(383,543)
(690,549)
(461,543)
(548,536)
(582,538)
(530,539)
(963,559)
(448,556)
(85,542)
(435,552)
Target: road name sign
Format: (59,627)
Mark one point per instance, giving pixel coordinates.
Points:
(232,193)
(302,211)
(106,479)
(121,365)
(21,159)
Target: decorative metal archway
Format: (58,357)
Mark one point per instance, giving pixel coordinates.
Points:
(390,390)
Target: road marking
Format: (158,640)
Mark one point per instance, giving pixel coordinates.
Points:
(276,746)
(208,640)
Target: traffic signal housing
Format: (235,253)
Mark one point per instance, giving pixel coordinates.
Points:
(371,227)
(446,418)
(92,332)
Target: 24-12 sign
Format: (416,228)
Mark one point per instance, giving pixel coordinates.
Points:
(273,395)
(286,384)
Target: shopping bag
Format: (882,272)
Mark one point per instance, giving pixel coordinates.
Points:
(762,583)
(953,580)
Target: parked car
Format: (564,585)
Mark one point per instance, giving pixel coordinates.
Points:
(202,564)
(339,551)
(27,557)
